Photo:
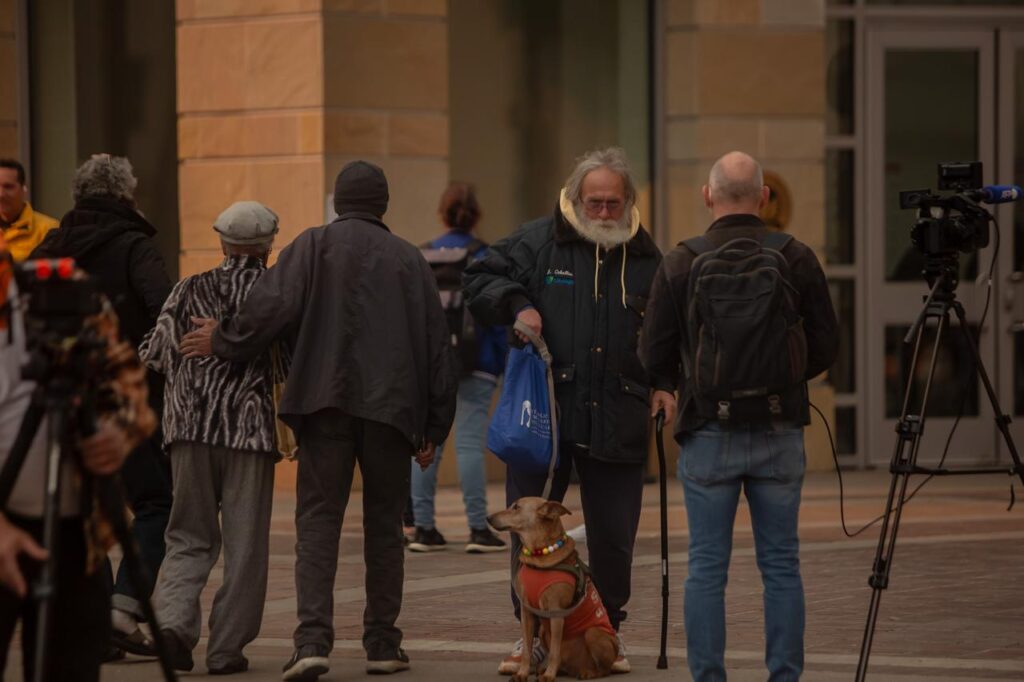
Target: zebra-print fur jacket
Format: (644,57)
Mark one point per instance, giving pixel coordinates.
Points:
(210,400)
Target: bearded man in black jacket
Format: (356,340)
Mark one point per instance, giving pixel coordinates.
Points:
(581,277)
(112,242)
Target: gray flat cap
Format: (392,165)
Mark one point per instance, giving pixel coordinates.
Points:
(246,222)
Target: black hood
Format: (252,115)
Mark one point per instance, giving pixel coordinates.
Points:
(361,188)
(93,222)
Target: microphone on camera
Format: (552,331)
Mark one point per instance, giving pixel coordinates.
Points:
(997,194)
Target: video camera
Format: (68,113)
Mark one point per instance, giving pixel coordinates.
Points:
(60,299)
(951,223)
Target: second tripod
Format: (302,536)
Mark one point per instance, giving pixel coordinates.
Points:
(910,428)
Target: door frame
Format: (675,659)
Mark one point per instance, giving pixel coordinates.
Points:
(880,37)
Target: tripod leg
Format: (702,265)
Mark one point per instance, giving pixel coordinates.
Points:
(1002,419)
(113,505)
(910,429)
(44,587)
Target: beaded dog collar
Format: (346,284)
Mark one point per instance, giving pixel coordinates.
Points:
(550,549)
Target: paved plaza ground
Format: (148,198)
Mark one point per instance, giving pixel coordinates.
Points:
(955,610)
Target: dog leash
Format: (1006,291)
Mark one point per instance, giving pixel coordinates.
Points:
(542,349)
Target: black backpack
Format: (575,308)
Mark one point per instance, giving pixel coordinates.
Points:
(748,353)
(448,265)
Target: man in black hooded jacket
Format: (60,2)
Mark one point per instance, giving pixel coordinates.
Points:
(111,241)
(372,381)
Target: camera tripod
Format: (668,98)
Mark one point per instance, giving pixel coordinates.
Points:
(941,272)
(55,399)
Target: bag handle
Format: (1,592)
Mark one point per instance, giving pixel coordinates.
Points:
(542,348)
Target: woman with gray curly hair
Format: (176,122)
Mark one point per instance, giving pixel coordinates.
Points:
(113,243)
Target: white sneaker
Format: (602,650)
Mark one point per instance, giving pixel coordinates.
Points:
(621,664)
(579,533)
(510,664)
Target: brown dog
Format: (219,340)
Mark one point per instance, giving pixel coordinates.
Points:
(555,590)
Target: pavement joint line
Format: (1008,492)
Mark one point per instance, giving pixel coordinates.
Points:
(355,594)
(877,660)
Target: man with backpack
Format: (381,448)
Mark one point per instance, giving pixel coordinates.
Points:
(480,352)
(746,314)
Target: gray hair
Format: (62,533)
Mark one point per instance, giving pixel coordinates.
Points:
(612,158)
(736,178)
(104,175)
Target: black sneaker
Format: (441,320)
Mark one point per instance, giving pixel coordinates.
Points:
(386,662)
(483,540)
(178,655)
(427,540)
(307,663)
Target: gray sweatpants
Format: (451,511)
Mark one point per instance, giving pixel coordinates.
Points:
(239,487)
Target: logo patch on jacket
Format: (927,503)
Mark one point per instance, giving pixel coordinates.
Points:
(559,277)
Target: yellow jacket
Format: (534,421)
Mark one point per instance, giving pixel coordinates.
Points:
(27,232)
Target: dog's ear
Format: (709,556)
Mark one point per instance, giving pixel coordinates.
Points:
(553,510)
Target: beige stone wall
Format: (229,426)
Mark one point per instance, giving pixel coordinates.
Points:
(251,120)
(747,75)
(386,100)
(9,83)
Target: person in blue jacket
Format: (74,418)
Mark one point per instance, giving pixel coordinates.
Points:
(460,212)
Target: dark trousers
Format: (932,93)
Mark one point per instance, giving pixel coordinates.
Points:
(147,487)
(80,611)
(611,495)
(330,445)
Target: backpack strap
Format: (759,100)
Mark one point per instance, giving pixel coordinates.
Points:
(776,241)
(700,244)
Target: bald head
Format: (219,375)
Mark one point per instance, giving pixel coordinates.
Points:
(735,185)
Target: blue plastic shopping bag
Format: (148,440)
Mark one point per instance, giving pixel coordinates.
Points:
(520,431)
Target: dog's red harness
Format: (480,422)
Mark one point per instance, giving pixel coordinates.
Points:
(588,613)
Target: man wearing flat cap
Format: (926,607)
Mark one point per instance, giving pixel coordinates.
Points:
(372,381)
(218,424)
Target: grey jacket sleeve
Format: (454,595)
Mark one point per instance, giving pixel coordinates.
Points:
(274,305)
(496,287)
(443,380)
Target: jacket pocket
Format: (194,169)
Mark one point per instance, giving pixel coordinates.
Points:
(636,389)
(564,374)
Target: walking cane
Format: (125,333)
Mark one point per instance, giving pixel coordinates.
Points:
(659,422)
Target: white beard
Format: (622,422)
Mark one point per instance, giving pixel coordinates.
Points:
(605,233)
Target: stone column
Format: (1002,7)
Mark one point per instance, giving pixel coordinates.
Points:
(747,75)
(250,116)
(386,100)
(9,95)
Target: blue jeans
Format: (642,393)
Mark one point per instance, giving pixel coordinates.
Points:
(471,411)
(768,464)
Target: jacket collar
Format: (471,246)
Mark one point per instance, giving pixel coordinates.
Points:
(640,245)
(234,262)
(364,216)
(737,220)
(23,221)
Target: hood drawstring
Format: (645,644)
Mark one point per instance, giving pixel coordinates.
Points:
(622,273)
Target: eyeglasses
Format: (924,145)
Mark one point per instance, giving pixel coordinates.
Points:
(595,205)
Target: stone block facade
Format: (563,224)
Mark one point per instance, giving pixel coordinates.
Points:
(9,96)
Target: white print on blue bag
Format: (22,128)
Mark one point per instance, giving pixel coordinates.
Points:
(537,423)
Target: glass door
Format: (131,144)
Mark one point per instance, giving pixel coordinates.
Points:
(930,99)
(1010,323)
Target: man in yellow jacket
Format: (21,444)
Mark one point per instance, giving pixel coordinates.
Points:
(23,227)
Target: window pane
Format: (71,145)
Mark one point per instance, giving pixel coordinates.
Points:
(846,430)
(955,380)
(918,136)
(842,374)
(839,206)
(839,47)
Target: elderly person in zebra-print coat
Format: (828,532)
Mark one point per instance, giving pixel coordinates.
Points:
(219,420)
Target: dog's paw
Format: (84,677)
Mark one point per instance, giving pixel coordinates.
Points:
(521,676)
(590,675)
(547,677)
